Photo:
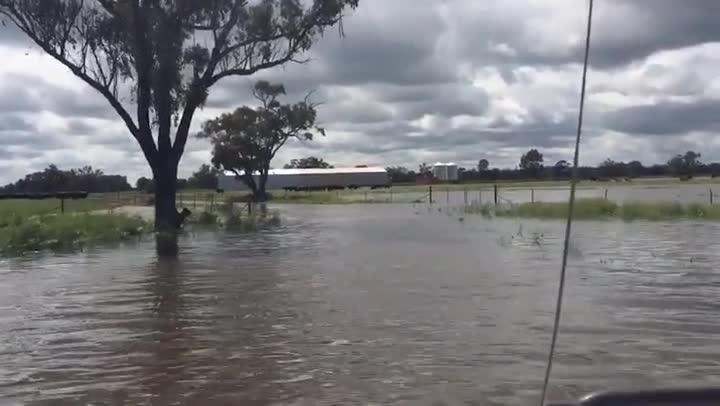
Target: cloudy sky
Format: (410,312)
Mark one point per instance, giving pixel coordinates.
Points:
(428,80)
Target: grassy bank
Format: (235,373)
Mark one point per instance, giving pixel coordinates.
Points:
(600,209)
(67,232)
(26,208)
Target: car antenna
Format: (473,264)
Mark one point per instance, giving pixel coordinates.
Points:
(571,207)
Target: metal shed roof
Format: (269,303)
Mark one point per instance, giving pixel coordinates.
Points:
(320,171)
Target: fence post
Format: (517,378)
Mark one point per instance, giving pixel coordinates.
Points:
(711,197)
(465,196)
(212,202)
(495,189)
(366,196)
(430,194)
(480,197)
(391,200)
(606,194)
(249,208)
(447,195)
(532,195)
(62,206)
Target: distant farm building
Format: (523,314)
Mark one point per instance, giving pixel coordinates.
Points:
(313,179)
(445,172)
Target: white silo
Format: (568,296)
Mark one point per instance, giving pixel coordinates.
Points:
(445,172)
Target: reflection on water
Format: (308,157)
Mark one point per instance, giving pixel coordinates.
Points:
(364,304)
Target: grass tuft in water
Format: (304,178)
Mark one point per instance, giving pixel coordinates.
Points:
(600,209)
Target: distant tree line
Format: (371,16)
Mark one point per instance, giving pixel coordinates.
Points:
(532,166)
(310,162)
(53,179)
(206,177)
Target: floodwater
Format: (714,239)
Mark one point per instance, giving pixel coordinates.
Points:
(370,304)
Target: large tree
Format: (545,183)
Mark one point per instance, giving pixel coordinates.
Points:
(685,166)
(308,163)
(206,177)
(483,165)
(246,140)
(532,162)
(167,55)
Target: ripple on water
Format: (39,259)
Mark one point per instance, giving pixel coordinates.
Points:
(363,305)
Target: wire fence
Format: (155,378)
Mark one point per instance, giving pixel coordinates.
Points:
(448,195)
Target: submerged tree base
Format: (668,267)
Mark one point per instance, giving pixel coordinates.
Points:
(600,209)
(54,232)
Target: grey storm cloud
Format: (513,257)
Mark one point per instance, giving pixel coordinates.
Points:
(11,122)
(624,31)
(29,94)
(666,118)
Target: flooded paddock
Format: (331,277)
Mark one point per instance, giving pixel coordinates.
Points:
(364,304)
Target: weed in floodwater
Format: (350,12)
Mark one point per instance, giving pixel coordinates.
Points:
(239,220)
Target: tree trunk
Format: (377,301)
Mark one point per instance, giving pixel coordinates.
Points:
(261,194)
(168,220)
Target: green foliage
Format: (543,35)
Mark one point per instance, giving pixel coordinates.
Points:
(306,163)
(246,140)
(206,177)
(532,162)
(68,232)
(599,209)
(54,179)
(685,166)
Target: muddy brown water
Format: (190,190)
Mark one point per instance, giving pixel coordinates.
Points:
(364,305)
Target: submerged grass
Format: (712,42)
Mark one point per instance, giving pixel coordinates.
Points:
(601,209)
(68,232)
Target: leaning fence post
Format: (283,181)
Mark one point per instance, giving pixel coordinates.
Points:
(430,193)
(495,189)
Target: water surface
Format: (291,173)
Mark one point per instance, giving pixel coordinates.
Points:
(363,305)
